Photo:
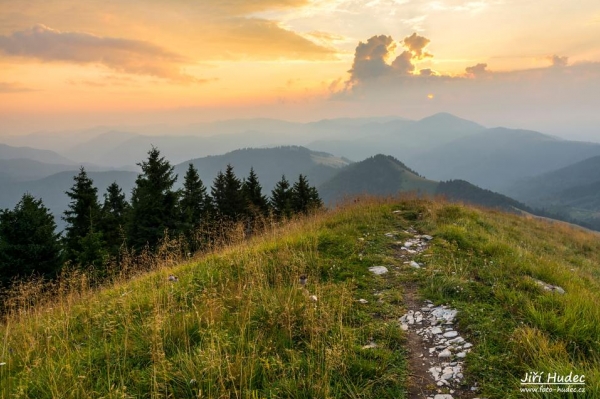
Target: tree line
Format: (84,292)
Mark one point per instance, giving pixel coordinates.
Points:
(98,231)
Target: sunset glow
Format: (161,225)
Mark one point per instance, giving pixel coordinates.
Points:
(95,58)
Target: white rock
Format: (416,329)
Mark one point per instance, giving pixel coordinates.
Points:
(363,301)
(378,270)
(450,334)
(436,330)
(414,264)
(408,244)
(370,345)
(447,376)
(443,396)
(445,354)
(313,298)
(426,237)
(467,346)
(404,327)
(461,355)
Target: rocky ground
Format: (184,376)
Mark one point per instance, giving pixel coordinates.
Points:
(437,351)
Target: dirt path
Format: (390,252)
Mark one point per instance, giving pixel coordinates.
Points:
(436,351)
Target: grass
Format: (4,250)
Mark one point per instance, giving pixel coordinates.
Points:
(237,324)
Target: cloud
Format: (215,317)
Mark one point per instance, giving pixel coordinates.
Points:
(558,61)
(476,70)
(253,38)
(6,87)
(371,58)
(121,55)
(561,92)
(416,45)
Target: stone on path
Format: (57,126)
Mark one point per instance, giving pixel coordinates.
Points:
(378,270)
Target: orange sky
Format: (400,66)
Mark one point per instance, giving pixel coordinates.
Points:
(63,59)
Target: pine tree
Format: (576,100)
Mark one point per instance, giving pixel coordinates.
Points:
(153,203)
(113,219)
(281,199)
(82,217)
(258,205)
(194,205)
(28,241)
(304,197)
(228,196)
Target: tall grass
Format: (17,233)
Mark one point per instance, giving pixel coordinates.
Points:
(236,324)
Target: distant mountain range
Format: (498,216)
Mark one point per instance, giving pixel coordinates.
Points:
(573,191)
(9,152)
(542,171)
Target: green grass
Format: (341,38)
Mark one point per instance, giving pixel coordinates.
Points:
(237,324)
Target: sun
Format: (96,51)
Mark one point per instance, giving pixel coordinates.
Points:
(430,96)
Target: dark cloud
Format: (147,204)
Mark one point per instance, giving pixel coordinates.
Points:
(122,55)
(370,58)
(427,72)
(476,70)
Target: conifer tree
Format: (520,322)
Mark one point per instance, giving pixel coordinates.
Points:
(217,192)
(194,205)
(257,202)
(153,203)
(281,199)
(228,196)
(28,241)
(114,218)
(82,217)
(304,197)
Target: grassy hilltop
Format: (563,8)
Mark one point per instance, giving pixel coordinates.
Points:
(238,324)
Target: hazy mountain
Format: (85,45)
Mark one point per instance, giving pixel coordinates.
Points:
(400,138)
(52,189)
(46,156)
(95,149)
(385,175)
(378,175)
(28,169)
(119,148)
(496,158)
(269,164)
(543,187)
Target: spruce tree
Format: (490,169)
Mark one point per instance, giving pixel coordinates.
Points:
(28,241)
(281,199)
(228,196)
(194,205)
(217,192)
(153,203)
(82,217)
(304,197)
(113,219)
(252,190)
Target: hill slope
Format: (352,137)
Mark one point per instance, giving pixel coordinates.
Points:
(379,175)
(237,321)
(384,175)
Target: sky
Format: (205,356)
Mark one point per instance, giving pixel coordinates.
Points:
(68,64)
